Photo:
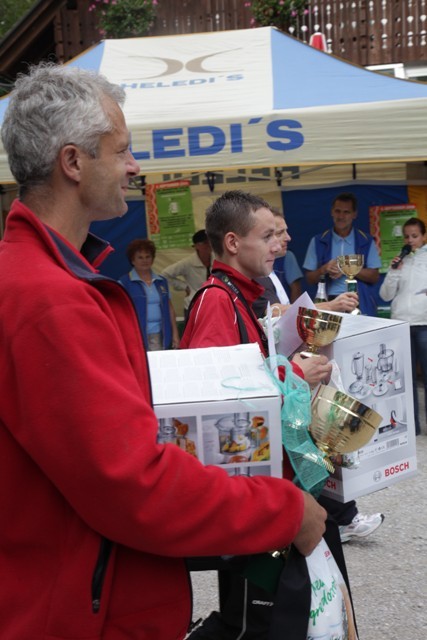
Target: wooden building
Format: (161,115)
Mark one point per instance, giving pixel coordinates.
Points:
(391,33)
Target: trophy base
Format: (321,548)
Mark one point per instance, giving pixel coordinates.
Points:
(355,312)
(309,354)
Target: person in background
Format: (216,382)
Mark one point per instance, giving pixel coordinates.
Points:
(344,239)
(352,524)
(150,294)
(286,266)
(190,273)
(289,273)
(241,229)
(274,291)
(101,515)
(402,284)
(286,273)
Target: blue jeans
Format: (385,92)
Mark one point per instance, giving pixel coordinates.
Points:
(419,355)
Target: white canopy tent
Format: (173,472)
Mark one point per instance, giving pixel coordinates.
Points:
(254,98)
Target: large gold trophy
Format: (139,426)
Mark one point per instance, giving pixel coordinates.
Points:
(350,265)
(340,423)
(317,329)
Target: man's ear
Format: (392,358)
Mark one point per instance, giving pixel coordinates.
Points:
(231,243)
(70,160)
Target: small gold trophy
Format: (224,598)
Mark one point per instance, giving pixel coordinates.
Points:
(340,423)
(350,266)
(317,329)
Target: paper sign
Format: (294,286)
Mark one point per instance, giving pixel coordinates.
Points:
(289,340)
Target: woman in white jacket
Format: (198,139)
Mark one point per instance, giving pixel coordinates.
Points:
(402,285)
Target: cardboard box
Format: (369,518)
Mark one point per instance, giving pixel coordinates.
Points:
(374,357)
(220,405)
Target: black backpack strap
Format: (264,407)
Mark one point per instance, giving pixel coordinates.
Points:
(244,338)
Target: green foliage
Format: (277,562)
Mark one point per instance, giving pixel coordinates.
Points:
(11,11)
(124,18)
(276,13)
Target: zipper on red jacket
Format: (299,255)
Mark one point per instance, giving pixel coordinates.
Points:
(99,573)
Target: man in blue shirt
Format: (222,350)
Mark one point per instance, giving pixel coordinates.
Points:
(344,239)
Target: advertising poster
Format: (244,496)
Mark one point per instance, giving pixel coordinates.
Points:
(170,214)
(386,224)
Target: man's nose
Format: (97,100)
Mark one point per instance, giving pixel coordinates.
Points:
(133,166)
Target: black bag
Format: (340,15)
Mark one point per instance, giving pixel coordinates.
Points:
(290,614)
(249,612)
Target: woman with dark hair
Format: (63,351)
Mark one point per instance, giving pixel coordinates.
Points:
(402,285)
(150,294)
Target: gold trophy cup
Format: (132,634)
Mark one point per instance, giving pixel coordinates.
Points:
(350,265)
(340,423)
(317,329)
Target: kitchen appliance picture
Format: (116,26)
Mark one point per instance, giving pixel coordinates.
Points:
(235,438)
(374,371)
(180,431)
(394,413)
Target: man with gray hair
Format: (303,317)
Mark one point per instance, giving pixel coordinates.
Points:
(97,516)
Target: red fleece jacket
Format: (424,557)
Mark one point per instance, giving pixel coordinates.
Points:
(80,463)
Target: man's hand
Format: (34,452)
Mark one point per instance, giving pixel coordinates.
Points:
(315,369)
(278,309)
(312,527)
(345,302)
(332,269)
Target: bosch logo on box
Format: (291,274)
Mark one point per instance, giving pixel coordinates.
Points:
(397,468)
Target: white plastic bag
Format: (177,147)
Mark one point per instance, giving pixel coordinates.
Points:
(331,613)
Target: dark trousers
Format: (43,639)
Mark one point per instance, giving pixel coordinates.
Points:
(342,512)
(244,611)
(419,356)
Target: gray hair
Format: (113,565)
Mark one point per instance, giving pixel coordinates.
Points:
(233,211)
(50,107)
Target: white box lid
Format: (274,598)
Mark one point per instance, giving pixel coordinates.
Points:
(355,325)
(212,373)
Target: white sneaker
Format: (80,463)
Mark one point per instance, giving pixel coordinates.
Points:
(361,526)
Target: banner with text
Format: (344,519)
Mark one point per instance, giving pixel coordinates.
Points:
(386,224)
(170,214)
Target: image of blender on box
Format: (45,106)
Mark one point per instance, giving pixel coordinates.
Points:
(374,371)
(241,439)
(180,431)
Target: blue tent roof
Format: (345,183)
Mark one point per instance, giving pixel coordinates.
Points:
(306,77)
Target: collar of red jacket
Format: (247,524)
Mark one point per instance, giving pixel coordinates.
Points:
(250,289)
(21,220)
